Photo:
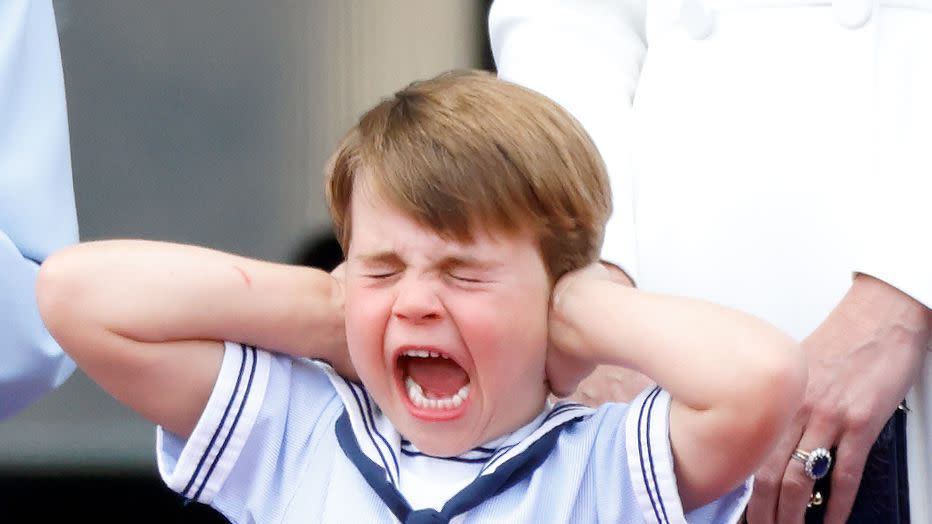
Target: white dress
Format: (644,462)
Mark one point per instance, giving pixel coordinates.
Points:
(760,151)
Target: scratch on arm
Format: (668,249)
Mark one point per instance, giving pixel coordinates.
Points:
(245,276)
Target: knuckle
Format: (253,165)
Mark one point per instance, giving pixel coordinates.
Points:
(858,419)
(846,477)
(806,409)
(829,415)
(765,482)
(794,485)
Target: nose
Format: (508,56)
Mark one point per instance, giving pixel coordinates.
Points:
(417,301)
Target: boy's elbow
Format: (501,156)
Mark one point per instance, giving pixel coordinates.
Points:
(58,295)
(780,387)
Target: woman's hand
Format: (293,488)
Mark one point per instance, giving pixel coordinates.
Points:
(862,360)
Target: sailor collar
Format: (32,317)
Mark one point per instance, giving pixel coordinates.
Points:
(374,446)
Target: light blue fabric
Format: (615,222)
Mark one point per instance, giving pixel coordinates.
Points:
(37,213)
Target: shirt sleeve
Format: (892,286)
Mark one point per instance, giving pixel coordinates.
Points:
(261,426)
(650,467)
(37,212)
(586,55)
(894,202)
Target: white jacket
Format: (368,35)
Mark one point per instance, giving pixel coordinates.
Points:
(760,151)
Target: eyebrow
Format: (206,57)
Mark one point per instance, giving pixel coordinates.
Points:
(391,258)
(458,261)
(380,258)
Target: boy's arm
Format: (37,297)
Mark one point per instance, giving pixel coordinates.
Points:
(145,320)
(735,380)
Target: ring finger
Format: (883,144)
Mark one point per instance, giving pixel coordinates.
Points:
(796,489)
(762,508)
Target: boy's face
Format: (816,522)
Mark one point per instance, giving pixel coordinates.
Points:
(449,338)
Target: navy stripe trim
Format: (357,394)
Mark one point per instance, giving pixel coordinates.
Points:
(213,438)
(451,459)
(563,408)
(378,433)
(498,454)
(479,490)
(373,474)
(650,455)
(654,392)
(239,412)
(511,472)
(365,423)
(478,449)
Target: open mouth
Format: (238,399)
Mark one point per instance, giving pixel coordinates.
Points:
(435,384)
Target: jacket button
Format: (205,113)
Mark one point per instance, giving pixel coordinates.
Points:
(697,19)
(852,13)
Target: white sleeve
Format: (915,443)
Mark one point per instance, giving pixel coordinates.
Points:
(586,55)
(895,238)
(650,466)
(255,437)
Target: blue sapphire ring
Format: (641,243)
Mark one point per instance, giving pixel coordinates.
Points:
(817,462)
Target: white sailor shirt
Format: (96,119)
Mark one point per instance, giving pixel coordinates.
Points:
(289,440)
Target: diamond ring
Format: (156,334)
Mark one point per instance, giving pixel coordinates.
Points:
(817,462)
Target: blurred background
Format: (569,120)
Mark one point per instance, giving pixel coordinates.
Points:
(206,122)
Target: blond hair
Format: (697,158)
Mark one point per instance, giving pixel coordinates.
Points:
(466,150)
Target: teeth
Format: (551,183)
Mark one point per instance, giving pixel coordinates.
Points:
(423,353)
(416,394)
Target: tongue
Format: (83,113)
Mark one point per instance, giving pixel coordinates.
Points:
(438,377)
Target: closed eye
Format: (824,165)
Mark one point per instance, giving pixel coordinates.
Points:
(380,276)
(468,280)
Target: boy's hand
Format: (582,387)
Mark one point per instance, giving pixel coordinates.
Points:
(567,360)
(343,366)
(607,383)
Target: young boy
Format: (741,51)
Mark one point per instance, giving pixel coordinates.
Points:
(471,211)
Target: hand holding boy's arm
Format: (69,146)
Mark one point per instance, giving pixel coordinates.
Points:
(735,380)
(145,319)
